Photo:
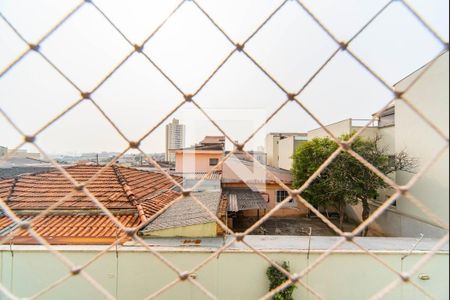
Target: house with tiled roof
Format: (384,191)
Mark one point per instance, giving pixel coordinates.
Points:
(131,195)
(140,199)
(252,191)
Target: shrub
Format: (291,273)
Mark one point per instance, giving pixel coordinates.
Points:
(277,278)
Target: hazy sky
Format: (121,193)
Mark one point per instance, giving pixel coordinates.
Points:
(188,48)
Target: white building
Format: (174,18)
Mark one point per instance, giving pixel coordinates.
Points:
(430,95)
(345,127)
(175,139)
(281,147)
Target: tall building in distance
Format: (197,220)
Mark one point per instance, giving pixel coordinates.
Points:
(175,139)
(3,151)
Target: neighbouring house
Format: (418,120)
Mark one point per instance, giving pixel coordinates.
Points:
(202,157)
(175,139)
(252,191)
(187,218)
(281,147)
(131,195)
(400,128)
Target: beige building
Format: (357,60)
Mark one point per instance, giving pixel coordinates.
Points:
(175,139)
(281,147)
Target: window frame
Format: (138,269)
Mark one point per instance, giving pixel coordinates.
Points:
(211,164)
(285,194)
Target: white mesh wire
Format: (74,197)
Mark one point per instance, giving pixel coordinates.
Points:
(291,96)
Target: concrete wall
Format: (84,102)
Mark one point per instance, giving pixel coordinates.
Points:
(194,231)
(431,96)
(411,134)
(387,141)
(343,127)
(131,273)
(338,129)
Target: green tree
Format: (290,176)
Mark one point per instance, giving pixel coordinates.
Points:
(345,181)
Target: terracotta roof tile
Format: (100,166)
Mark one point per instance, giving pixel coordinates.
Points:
(42,190)
(153,205)
(70,229)
(74,222)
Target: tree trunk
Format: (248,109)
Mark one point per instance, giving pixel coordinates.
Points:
(365,214)
(341,215)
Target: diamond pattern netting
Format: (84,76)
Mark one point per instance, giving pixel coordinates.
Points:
(291,96)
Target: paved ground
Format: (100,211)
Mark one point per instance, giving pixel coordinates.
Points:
(291,226)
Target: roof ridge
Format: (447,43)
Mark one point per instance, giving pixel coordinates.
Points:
(131,196)
(13,187)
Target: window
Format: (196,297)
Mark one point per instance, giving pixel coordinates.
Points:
(281,195)
(213,161)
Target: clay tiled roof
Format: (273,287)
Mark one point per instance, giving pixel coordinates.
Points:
(31,192)
(70,229)
(152,205)
(131,195)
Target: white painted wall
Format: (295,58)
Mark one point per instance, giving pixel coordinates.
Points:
(338,129)
(431,96)
(286,151)
(132,273)
(387,140)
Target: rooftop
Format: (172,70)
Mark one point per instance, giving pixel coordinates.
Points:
(131,195)
(70,229)
(213,140)
(241,199)
(237,170)
(39,191)
(187,212)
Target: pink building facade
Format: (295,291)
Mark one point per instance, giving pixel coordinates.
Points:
(197,161)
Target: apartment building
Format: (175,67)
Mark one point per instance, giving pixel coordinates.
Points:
(175,139)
